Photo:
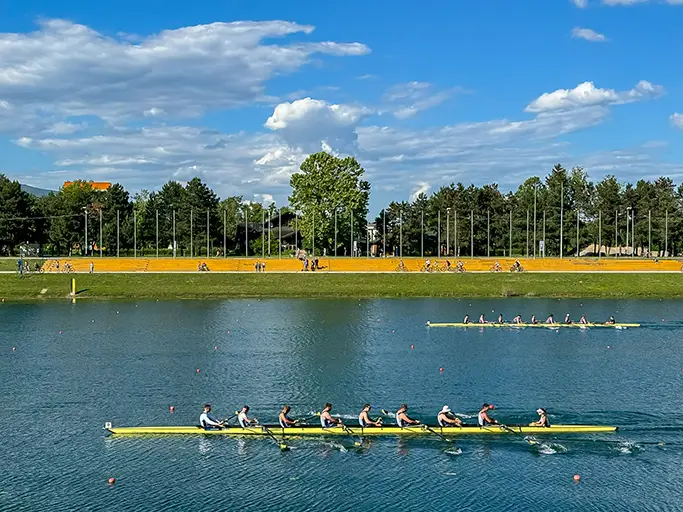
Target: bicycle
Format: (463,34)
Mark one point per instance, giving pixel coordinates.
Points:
(401,268)
(516,268)
(425,268)
(496,268)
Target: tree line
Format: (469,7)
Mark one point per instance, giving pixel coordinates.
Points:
(560,214)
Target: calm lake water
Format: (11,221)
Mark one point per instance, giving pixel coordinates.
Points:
(77,366)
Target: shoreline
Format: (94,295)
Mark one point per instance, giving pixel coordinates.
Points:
(109,286)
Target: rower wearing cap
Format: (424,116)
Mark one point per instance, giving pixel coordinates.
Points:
(445,418)
(364,419)
(483,418)
(402,419)
(284,420)
(550,319)
(542,420)
(611,321)
(244,420)
(207,421)
(583,320)
(517,319)
(567,320)
(326,419)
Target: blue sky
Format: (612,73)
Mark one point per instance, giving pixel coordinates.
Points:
(240,92)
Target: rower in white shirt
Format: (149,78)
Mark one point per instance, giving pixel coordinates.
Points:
(207,421)
(244,420)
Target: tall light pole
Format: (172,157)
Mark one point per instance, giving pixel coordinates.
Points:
(100,231)
(438,234)
(448,230)
(246,231)
(422,235)
(471,233)
(384,232)
(156,216)
(628,221)
(85,209)
(535,190)
(561,220)
(279,238)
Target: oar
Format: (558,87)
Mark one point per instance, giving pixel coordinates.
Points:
(429,429)
(359,442)
(270,434)
(508,429)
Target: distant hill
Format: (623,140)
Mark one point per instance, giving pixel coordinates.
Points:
(39,192)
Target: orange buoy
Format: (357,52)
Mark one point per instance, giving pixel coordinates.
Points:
(172,408)
(112,481)
(577,478)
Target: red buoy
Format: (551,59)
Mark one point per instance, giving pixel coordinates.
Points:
(198,370)
(577,478)
(412,346)
(172,408)
(112,481)
(441,370)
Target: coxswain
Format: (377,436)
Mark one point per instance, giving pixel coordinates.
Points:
(402,419)
(611,321)
(550,319)
(481,319)
(326,419)
(517,319)
(483,418)
(207,421)
(364,419)
(542,420)
(284,420)
(583,320)
(445,418)
(244,420)
(466,320)
(567,320)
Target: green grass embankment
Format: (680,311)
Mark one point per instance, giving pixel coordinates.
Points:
(210,286)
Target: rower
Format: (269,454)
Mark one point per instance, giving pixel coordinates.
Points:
(550,319)
(284,420)
(483,418)
(611,321)
(583,320)
(517,319)
(542,420)
(402,419)
(445,418)
(481,319)
(365,421)
(207,421)
(500,318)
(567,320)
(244,420)
(466,320)
(326,419)
(533,320)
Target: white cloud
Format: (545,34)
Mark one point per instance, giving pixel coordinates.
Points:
(677,120)
(588,35)
(64,69)
(65,128)
(307,123)
(421,188)
(408,99)
(587,95)
(581,4)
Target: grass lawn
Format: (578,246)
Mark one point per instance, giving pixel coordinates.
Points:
(10,264)
(208,286)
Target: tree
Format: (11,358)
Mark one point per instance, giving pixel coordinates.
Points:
(325,185)
(15,212)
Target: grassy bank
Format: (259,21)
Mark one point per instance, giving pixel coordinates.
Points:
(208,286)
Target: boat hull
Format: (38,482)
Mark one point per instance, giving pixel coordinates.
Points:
(519,326)
(370,431)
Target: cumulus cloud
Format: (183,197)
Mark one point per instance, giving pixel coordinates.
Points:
(588,35)
(307,124)
(677,120)
(408,99)
(65,69)
(421,188)
(581,4)
(587,95)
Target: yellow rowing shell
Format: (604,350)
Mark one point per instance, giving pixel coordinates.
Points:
(418,430)
(517,326)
